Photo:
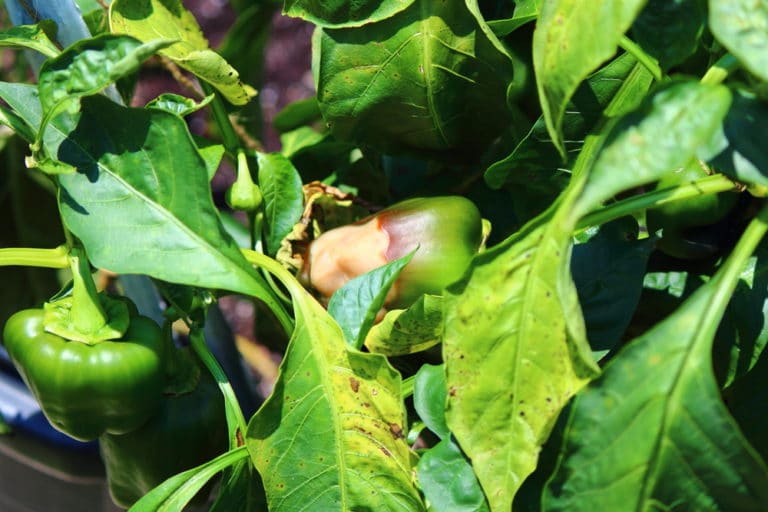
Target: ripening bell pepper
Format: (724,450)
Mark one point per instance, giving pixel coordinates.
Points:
(446,231)
(87,389)
(189,429)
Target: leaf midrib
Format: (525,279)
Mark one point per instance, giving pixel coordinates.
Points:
(218,255)
(426,65)
(649,480)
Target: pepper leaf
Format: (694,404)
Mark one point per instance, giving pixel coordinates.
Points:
(430,396)
(652,431)
(332,434)
(608,272)
(355,305)
(141,165)
(535,161)
(34,37)
(344,13)
(447,479)
(407,331)
(563,57)
(670,31)
(147,20)
(515,352)
(283,197)
(174,493)
(90,65)
(179,105)
(670,128)
(740,25)
(395,85)
(742,155)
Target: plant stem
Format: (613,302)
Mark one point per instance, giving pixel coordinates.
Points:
(228,134)
(643,58)
(235,419)
(88,315)
(708,185)
(720,70)
(28,257)
(406,388)
(273,267)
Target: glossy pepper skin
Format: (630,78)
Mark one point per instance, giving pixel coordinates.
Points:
(86,390)
(447,230)
(188,430)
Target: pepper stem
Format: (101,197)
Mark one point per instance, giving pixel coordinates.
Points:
(88,315)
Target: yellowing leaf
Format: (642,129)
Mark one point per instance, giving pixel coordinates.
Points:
(148,20)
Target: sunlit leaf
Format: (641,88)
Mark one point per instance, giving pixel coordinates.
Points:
(179,105)
(140,201)
(344,13)
(671,128)
(148,20)
(355,305)
(283,197)
(34,37)
(563,57)
(447,479)
(515,352)
(332,434)
(408,331)
(742,27)
(430,396)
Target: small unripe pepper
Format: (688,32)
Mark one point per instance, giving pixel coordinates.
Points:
(447,230)
(685,224)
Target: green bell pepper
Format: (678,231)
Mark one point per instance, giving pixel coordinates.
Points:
(685,225)
(188,430)
(87,389)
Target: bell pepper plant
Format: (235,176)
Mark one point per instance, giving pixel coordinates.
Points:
(341,329)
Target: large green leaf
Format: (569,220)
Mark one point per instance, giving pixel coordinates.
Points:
(515,352)
(148,20)
(344,13)
(427,80)
(652,432)
(141,203)
(563,55)
(332,434)
(671,128)
(535,159)
(670,30)
(742,27)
